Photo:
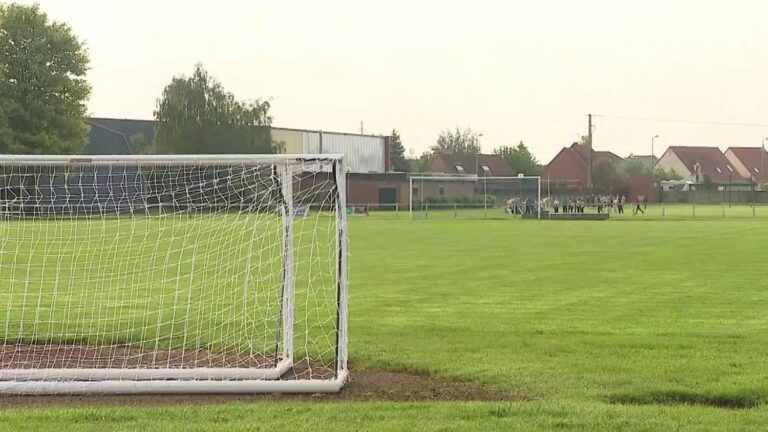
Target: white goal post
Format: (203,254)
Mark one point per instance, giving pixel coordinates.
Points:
(173,274)
(475,197)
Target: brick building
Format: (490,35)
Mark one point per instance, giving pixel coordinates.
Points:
(570,167)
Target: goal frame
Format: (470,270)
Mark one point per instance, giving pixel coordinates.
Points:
(471,178)
(74,381)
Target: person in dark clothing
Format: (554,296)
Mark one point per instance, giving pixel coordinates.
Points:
(638,209)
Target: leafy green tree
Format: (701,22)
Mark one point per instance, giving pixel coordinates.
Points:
(43,90)
(397,152)
(664,175)
(519,158)
(196,115)
(424,160)
(461,142)
(606,176)
(140,144)
(634,166)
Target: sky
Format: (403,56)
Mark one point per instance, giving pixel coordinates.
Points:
(511,70)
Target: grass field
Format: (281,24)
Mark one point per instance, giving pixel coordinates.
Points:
(618,325)
(651,212)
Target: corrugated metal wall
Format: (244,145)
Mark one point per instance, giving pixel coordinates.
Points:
(362,153)
(104,142)
(293,140)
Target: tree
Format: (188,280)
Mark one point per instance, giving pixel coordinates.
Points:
(664,175)
(606,177)
(140,144)
(519,158)
(456,143)
(634,166)
(43,90)
(397,152)
(196,115)
(424,160)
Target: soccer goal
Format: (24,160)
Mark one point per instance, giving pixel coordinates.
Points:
(473,197)
(173,274)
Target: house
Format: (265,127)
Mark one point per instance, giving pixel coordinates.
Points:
(700,164)
(749,162)
(481,165)
(571,165)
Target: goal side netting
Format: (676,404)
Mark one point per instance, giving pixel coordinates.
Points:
(172,274)
(475,197)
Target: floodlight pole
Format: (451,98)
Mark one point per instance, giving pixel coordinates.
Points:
(477,170)
(653,163)
(410,201)
(485,194)
(762,158)
(538,203)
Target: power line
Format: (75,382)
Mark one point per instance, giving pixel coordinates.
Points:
(702,122)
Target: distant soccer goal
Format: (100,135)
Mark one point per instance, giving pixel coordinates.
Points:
(172,274)
(473,197)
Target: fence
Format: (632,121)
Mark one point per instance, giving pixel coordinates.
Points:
(657,211)
(726,195)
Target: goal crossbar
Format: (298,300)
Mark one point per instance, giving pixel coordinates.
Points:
(471,179)
(149,160)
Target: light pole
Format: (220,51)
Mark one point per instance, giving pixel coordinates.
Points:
(762,159)
(653,162)
(477,155)
(477,172)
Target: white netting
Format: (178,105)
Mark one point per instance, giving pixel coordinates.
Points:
(471,197)
(186,269)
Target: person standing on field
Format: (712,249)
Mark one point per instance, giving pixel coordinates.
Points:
(638,209)
(622,201)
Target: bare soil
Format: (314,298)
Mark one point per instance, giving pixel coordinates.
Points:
(364,385)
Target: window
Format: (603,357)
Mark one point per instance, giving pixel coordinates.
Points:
(486,170)
(718,169)
(729,168)
(441,190)
(460,169)
(756,170)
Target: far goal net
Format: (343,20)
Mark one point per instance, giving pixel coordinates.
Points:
(473,197)
(172,274)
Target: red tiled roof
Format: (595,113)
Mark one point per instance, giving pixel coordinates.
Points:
(572,163)
(712,161)
(754,159)
(581,151)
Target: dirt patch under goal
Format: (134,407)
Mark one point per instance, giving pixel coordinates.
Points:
(364,385)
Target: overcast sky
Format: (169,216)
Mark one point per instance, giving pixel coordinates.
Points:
(513,70)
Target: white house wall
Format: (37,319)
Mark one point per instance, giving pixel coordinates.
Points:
(670,160)
(362,153)
(740,168)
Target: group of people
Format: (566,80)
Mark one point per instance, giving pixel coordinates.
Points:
(569,205)
(602,203)
(520,207)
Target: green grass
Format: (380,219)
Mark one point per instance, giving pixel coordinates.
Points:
(676,211)
(617,325)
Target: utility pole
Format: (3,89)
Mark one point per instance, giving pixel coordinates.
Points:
(589,151)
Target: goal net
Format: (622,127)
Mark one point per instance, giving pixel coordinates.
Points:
(472,197)
(172,274)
